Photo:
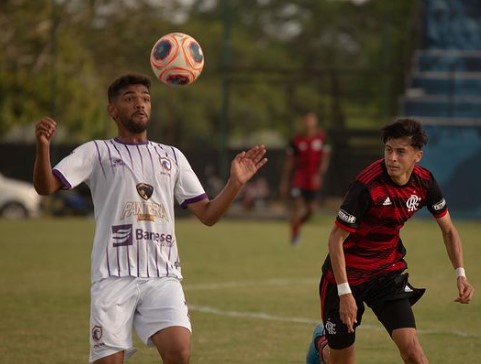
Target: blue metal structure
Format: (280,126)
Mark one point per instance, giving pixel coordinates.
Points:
(444,93)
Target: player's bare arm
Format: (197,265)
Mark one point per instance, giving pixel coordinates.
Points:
(243,167)
(454,248)
(347,304)
(43,179)
(323,166)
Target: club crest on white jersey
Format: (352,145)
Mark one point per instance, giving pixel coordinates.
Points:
(145,190)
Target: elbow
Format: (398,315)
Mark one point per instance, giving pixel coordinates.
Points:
(209,222)
(208,219)
(43,190)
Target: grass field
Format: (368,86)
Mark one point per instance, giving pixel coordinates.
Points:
(253,298)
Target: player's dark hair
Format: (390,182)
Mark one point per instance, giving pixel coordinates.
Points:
(403,128)
(127,80)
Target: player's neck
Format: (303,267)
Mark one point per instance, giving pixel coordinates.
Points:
(310,132)
(128,138)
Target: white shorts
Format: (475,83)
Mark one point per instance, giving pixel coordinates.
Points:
(120,304)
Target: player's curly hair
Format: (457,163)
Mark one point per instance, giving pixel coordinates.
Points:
(402,128)
(126,80)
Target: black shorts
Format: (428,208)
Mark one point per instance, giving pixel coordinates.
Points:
(390,297)
(306,195)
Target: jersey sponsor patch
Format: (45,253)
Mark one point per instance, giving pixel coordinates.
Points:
(122,235)
(344,216)
(161,239)
(144,211)
(440,205)
(316,145)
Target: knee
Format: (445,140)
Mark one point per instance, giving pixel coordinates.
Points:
(413,353)
(177,356)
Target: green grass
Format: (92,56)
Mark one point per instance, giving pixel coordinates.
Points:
(253,298)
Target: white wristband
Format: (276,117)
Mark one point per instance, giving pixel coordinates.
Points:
(460,272)
(343,289)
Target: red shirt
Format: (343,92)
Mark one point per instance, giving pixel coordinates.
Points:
(374,210)
(308,152)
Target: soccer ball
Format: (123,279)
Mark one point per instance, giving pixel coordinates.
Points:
(177,59)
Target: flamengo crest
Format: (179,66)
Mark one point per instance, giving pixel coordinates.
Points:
(413,202)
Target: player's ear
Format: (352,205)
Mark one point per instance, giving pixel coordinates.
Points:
(419,156)
(112,111)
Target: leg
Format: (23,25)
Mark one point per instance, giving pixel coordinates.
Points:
(318,350)
(409,347)
(398,318)
(113,304)
(342,356)
(310,209)
(310,203)
(173,345)
(163,320)
(296,219)
(341,347)
(117,358)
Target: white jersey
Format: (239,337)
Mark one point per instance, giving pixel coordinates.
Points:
(133,187)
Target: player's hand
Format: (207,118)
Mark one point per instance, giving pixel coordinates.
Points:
(44,130)
(246,164)
(348,311)
(465,289)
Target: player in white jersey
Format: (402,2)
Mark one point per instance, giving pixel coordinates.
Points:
(135,263)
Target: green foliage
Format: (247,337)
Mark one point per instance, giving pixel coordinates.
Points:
(278,56)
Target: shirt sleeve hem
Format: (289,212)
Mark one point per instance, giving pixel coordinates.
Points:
(344,227)
(441,214)
(193,200)
(65,184)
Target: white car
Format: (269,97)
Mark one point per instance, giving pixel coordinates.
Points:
(18,199)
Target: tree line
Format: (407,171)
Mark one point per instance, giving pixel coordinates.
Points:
(265,62)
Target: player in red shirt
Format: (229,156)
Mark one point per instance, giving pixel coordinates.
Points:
(366,255)
(307,160)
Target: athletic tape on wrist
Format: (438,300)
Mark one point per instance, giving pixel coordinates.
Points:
(460,272)
(343,289)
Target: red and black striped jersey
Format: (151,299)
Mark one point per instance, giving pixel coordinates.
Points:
(308,152)
(374,210)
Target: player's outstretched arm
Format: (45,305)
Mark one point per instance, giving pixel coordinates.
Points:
(454,248)
(44,181)
(246,164)
(347,303)
(243,167)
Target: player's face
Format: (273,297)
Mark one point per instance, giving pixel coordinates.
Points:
(401,157)
(310,121)
(131,109)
